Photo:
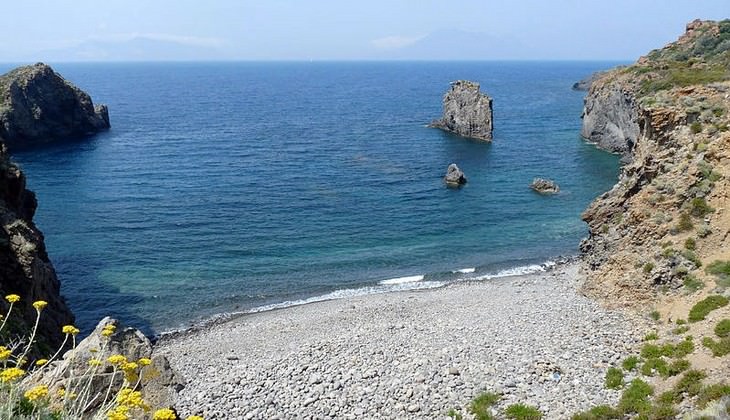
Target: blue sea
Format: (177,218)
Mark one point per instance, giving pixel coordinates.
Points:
(233,187)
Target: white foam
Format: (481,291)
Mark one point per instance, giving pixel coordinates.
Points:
(518,271)
(401,280)
(465,270)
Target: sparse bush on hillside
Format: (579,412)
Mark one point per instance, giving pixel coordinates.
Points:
(522,412)
(702,308)
(722,329)
(481,405)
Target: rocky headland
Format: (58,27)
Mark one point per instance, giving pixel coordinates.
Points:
(25,268)
(37,105)
(467,111)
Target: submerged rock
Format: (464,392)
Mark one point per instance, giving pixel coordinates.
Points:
(37,105)
(454,176)
(25,269)
(544,186)
(467,111)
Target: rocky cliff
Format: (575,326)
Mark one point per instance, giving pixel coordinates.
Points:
(467,111)
(25,269)
(37,105)
(667,217)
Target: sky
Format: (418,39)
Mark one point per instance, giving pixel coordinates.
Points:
(124,30)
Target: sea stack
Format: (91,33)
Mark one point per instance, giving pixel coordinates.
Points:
(454,176)
(37,105)
(544,186)
(467,111)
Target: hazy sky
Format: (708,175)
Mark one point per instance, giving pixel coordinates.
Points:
(341,29)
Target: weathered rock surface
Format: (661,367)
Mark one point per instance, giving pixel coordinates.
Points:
(467,111)
(586,83)
(37,105)
(544,186)
(454,176)
(611,117)
(25,269)
(159,383)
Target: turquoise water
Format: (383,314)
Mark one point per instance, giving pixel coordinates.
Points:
(232,186)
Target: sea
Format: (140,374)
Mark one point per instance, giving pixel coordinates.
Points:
(247,186)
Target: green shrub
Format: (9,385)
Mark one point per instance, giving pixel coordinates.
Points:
(678,366)
(680,330)
(702,308)
(695,127)
(454,414)
(648,267)
(692,257)
(690,244)
(722,329)
(522,412)
(685,222)
(650,351)
(719,268)
(692,284)
(655,315)
(681,349)
(480,406)
(719,348)
(630,363)
(711,393)
(652,336)
(601,412)
(614,378)
(690,384)
(655,365)
(635,398)
(699,207)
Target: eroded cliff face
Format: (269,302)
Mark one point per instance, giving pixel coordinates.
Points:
(25,269)
(667,217)
(37,105)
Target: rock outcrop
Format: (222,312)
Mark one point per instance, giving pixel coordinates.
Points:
(586,83)
(25,269)
(37,105)
(667,215)
(467,111)
(544,186)
(454,176)
(157,380)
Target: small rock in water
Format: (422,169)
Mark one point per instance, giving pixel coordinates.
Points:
(544,186)
(454,176)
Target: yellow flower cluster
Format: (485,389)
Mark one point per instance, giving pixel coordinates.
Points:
(5,353)
(94,362)
(194,418)
(12,298)
(39,305)
(144,361)
(130,371)
(119,413)
(108,330)
(70,329)
(36,392)
(117,360)
(11,374)
(41,362)
(164,414)
(131,398)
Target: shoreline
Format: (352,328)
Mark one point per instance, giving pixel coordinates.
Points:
(409,354)
(377,289)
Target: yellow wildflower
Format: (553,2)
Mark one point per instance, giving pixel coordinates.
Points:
(117,359)
(5,353)
(12,298)
(108,330)
(70,329)
(41,362)
(164,414)
(39,305)
(11,374)
(119,413)
(94,362)
(131,398)
(144,361)
(61,393)
(130,371)
(22,361)
(194,418)
(36,392)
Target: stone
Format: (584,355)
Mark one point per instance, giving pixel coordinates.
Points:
(586,83)
(454,176)
(159,382)
(25,268)
(544,186)
(467,112)
(37,105)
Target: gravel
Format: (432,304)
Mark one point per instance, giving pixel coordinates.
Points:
(533,339)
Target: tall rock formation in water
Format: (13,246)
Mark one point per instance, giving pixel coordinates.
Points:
(25,269)
(37,105)
(467,111)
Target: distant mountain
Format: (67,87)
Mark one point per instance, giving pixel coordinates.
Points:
(459,45)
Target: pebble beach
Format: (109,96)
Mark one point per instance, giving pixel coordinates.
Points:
(409,355)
